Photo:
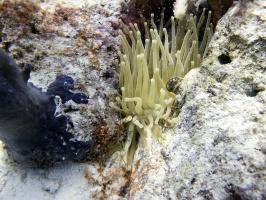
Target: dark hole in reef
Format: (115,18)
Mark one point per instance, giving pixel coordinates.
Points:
(193,181)
(6,46)
(110,48)
(224,59)
(33,29)
(232,192)
(252,93)
(206,194)
(263,151)
(108,73)
(124,190)
(37,57)
(234,197)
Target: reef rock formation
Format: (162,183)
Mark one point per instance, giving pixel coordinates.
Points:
(217,148)
(215,151)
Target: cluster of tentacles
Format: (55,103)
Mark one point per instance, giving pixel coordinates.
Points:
(146,67)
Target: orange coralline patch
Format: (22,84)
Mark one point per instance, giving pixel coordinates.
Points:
(75,29)
(140,172)
(61,15)
(103,135)
(111,182)
(24,14)
(21,11)
(31,18)
(135,183)
(114,182)
(137,176)
(64,13)
(94,59)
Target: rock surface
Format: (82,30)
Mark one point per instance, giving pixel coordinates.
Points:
(217,150)
(77,40)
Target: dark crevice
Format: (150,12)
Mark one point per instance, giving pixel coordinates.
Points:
(34,29)
(252,93)
(224,59)
(6,46)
